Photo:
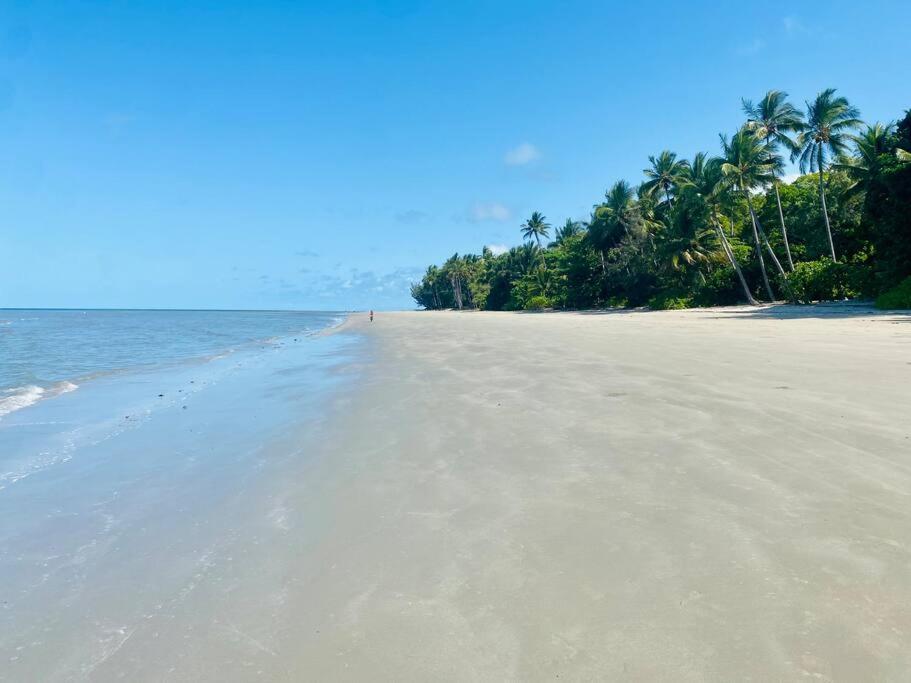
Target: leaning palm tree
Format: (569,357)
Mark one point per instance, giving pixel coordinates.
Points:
(746,166)
(864,166)
(707,180)
(774,120)
(825,136)
(665,173)
(536,227)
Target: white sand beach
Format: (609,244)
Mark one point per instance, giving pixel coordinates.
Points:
(682,496)
(704,495)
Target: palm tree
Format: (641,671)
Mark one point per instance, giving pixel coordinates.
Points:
(569,229)
(457,270)
(746,165)
(612,219)
(537,227)
(432,277)
(865,166)
(665,173)
(683,243)
(708,181)
(620,198)
(773,121)
(824,136)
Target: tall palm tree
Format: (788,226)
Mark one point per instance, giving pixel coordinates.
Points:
(536,227)
(457,269)
(864,166)
(665,173)
(825,136)
(707,180)
(746,166)
(774,120)
(613,219)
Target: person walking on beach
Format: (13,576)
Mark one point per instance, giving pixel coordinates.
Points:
(371,316)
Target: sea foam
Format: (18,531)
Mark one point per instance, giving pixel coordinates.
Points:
(17,398)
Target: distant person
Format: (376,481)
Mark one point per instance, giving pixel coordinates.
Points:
(371,316)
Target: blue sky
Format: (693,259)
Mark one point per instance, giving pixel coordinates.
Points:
(320,155)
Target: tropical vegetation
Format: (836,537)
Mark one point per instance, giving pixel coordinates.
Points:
(720,228)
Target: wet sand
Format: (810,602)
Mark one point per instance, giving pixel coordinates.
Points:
(674,496)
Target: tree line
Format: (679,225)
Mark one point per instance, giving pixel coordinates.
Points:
(720,229)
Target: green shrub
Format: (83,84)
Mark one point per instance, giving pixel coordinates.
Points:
(720,288)
(617,302)
(536,303)
(669,301)
(821,280)
(897,297)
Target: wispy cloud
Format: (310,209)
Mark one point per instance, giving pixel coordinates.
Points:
(306,253)
(522,154)
(793,26)
(352,287)
(489,211)
(497,249)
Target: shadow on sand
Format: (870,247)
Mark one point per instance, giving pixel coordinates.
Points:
(837,309)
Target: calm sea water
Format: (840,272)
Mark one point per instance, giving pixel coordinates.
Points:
(145,457)
(44,353)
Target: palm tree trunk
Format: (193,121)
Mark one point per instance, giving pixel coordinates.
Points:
(784,276)
(457,290)
(825,212)
(784,230)
(733,259)
(667,193)
(765,276)
(765,241)
(603,265)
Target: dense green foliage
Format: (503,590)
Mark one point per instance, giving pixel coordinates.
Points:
(898,297)
(720,230)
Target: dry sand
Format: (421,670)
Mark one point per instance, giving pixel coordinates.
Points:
(683,496)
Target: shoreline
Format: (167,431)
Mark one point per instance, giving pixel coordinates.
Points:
(686,495)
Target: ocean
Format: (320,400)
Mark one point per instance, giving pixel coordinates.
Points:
(44,353)
(134,446)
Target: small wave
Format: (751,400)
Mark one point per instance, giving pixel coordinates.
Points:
(63,387)
(15,399)
(20,397)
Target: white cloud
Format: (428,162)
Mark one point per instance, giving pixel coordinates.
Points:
(525,153)
(489,211)
(789,178)
(497,249)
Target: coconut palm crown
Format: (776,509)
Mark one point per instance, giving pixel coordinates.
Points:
(536,227)
(826,135)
